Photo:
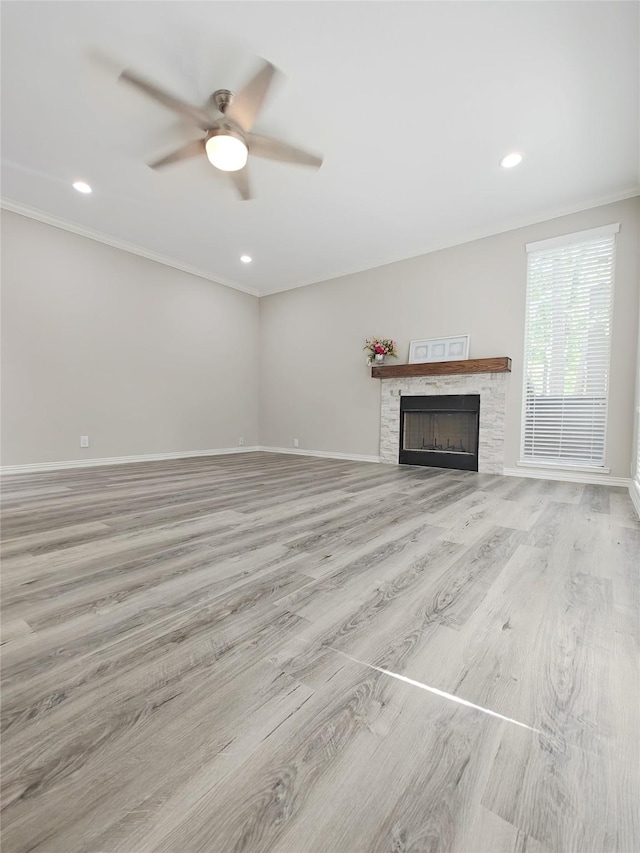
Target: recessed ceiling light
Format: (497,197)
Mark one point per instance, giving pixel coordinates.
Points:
(82,187)
(511,160)
(246,259)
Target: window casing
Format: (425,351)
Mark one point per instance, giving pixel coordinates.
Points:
(637,465)
(567,349)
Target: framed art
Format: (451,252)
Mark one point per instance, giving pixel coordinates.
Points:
(439,349)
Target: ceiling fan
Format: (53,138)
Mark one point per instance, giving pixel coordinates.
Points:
(228,140)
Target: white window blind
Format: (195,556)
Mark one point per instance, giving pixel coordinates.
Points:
(567,349)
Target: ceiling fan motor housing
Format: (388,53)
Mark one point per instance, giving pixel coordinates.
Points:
(227,128)
(222,98)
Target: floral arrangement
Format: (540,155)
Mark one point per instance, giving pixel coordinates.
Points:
(380,347)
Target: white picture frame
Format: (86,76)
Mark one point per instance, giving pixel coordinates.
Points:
(454,348)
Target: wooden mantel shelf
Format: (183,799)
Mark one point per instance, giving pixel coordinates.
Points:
(443,368)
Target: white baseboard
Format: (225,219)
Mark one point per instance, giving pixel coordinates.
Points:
(634,494)
(40,467)
(323,454)
(568,476)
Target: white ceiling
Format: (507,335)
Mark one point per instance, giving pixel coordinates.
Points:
(412,104)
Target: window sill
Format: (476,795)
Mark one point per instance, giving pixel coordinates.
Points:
(562,466)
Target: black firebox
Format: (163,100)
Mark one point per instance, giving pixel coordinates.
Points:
(440,431)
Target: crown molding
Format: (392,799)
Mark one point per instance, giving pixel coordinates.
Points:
(470,237)
(116,243)
(100,237)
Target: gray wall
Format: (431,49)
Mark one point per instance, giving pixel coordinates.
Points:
(146,359)
(137,355)
(635,454)
(314,382)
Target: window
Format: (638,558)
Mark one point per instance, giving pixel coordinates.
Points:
(567,349)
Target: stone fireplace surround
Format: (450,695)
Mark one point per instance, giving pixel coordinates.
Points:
(492,388)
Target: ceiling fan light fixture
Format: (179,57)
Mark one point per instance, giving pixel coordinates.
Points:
(226,150)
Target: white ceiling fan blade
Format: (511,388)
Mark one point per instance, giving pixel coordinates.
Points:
(248,102)
(193,113)
(191,149)
(274,149)
(240,180)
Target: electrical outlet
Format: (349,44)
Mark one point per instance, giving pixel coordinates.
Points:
(84,441)
(241,441)
(295,442)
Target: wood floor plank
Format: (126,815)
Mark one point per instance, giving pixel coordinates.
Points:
(278,654)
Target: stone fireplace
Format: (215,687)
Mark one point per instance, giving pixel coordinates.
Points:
(483,378)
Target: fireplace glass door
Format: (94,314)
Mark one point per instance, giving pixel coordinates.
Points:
(440,431)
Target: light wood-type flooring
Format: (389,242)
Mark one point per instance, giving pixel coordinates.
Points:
(263,652)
